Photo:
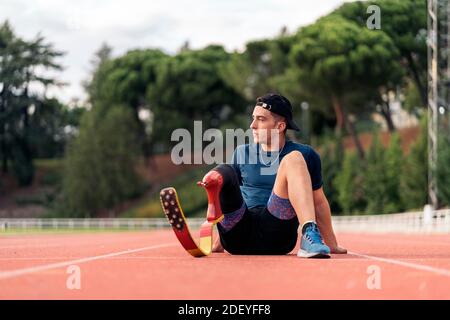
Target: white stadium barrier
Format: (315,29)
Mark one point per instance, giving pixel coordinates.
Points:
(427,221)
(101,223)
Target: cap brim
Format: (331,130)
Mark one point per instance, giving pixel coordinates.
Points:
(291,125)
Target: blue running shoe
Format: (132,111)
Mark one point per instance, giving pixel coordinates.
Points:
(312,245)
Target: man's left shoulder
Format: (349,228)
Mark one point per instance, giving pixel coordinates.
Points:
(305,149)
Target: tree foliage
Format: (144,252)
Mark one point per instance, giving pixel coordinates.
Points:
(189,87)
(349,185)
(405,22)
(393,162)
(414,172)
(21,108)
(100,163)
(375,178)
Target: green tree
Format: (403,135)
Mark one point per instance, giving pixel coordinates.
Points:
(189,87)
(348,183)
(375,178)
(19,62)
(344,62)
(332,160)
(93,85)
(414,172)
(126,80)
(251,72)
(394,162)
(412,102)
(443,171)
(100,163)
(405,22)
(51,126)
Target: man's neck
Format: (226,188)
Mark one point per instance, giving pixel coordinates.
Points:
(274,146)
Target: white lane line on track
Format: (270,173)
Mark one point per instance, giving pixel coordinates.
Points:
(52,245)
(442,272)
(422,242)
(20,272)
(39,246)
(65,258)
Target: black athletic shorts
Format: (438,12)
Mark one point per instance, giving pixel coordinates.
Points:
(259,232)
(255,230)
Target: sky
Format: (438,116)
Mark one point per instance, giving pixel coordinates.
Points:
(79,27)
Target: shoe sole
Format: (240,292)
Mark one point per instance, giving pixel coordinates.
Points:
(316,255)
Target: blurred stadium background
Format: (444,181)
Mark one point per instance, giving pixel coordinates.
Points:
(375,103)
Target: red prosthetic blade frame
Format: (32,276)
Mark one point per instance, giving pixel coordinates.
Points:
(212,182)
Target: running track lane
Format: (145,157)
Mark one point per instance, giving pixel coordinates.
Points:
(152,265)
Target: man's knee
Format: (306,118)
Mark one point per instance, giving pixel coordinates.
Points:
(228,174)
(292,161)
(230,196)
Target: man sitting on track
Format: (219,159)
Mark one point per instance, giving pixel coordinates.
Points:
(263,211)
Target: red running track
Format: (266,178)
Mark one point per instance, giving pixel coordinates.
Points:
(152,265)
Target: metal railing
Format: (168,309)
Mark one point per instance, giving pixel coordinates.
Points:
(427,221)
(101,223)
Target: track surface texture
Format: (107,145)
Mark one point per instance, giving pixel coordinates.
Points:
(153,265)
